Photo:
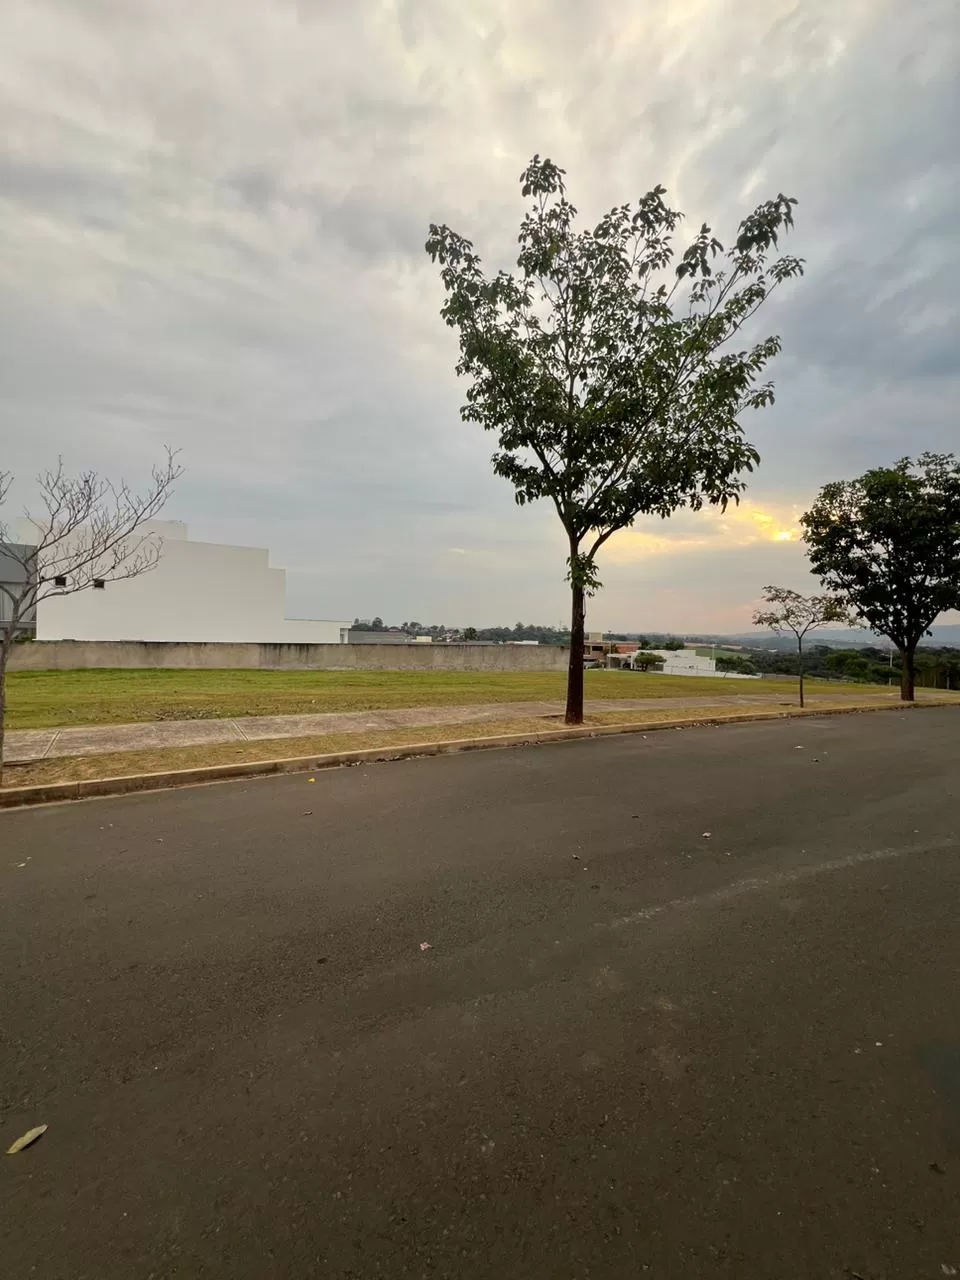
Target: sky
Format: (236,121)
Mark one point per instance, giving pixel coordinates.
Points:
(212,220)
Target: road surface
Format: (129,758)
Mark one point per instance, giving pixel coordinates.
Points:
(631,1048)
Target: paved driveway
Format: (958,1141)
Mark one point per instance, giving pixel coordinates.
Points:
(631,1049)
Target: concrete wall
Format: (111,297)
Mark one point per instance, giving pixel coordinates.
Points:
(199,591)
(66,655)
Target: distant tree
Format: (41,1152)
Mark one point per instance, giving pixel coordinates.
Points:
(851,666)
(796,614)
(611,389)
(939,668)
(470,633)
(89,534)
(735,662)
(890,542)
(673,645)
(647,661)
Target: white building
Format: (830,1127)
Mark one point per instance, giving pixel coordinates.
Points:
(687,662)
(199,591)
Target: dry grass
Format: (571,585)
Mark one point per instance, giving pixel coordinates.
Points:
(118,764)
(56,699)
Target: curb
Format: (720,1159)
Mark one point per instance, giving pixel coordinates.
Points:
(90,788)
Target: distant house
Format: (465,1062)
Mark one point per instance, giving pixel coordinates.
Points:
(687,662)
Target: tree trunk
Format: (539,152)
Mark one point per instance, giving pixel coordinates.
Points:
(800,667)
(574,713)
(5,642)
(908,674)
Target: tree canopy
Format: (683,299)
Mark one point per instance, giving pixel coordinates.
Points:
(604,367)
(889,541)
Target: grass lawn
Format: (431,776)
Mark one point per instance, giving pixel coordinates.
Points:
(53,699)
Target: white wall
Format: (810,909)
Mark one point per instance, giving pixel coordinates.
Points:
(686,662)
(200,591)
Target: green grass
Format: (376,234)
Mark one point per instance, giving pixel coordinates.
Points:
(49,699)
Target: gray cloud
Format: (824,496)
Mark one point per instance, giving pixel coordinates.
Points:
(213,226)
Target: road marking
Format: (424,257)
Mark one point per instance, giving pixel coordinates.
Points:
(757,884)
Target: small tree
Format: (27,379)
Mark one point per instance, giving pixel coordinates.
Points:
(851,666)
(736,663)
(88,534)
(608,378)
(890,542)
(797,614)
(646,661)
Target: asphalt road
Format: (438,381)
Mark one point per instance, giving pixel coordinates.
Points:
(630,1050)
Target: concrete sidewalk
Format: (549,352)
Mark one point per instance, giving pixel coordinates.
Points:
(24,745)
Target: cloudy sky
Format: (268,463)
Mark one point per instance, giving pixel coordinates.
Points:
(212,219)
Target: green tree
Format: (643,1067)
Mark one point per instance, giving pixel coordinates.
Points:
(799,615)
(470,633)
(646,661)
(605,371)
(737,663)
(852,666)
(889,541)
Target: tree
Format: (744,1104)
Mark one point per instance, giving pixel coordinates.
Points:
(736,663)
(605,372)
(890,541)
(470,633)
(646,661)
(851,666)
(799,614)
(88,535)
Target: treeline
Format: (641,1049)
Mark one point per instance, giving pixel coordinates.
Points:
(440,631)
(937,668)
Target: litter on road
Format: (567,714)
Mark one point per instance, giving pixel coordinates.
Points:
(25,1141)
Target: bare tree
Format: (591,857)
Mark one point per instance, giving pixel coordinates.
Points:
(799,614)
(86,532)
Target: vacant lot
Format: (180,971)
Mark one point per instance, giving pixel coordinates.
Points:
(49,699)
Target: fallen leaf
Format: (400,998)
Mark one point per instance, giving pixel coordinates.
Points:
(30,1136)
(308,813)
(311,779)
(425,946)
(707,835)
